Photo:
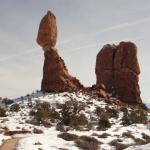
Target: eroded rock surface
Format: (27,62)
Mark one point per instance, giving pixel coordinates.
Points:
(118,69)
(55,74)
(47,34)
(56,77)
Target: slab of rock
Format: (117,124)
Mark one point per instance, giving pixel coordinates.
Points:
(47,34)
(55,74)
(118,69)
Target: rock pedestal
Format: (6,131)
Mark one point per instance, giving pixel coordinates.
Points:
(55,74)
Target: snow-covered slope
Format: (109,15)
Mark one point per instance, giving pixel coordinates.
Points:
(85,123)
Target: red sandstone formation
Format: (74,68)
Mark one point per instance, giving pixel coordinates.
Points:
(47,34)
(118,69)
(55,74)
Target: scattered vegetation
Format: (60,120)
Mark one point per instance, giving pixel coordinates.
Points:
(135,116)
(15,107)
(44,114)
(37,131)
(68,137)
(128,135)
(104,122)
(104,135)
(87,143)
(7,101)
(118,145)
(71,114)
(113,113)
(146,137)
(2,112)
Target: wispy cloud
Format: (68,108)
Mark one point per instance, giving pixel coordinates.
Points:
(24,53)
(123,25)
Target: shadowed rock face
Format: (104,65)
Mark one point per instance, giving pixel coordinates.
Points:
(118,69)
(55,74)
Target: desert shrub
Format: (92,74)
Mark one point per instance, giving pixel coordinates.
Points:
(43,114)
(2,112)
(112,112)
(146,137)
(128,135)
(99,111)
(135,116)
(118,146)
(104,135)
(68,137)
(104,122)
(62,128)
(30,104)
(124,110)
(139,116)
(79,120)
(15,107)
(87,143)
(139,141)
(37,131)
(71,113)
(126,120)
(7,101)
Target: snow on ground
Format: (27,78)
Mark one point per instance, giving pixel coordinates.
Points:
(49,140)
(3,137)
(143,147)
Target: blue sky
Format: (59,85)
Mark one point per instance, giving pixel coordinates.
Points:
(84,26)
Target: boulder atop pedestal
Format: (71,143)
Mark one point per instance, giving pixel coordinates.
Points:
(47,34)
(118,69)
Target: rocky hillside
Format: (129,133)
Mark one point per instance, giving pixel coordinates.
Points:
(72,121)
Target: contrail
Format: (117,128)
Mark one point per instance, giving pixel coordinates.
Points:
(123,25)
(120,26)
(20,54)
(29,52)
(103,43)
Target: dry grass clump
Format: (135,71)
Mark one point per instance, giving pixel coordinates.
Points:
(146,137)
(118,145)
(87,143)
(2,112)
(15,107)
(68,136)
(135,116)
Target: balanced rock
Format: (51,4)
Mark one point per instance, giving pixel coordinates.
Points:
(47,34)
(118,69)
(55,74)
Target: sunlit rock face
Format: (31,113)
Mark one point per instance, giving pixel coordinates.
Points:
(118,69)
(47,34)
(56,77)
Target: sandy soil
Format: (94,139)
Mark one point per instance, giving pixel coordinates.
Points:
(10,144)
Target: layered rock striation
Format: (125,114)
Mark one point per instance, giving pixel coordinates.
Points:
(118,69)
(56,77)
